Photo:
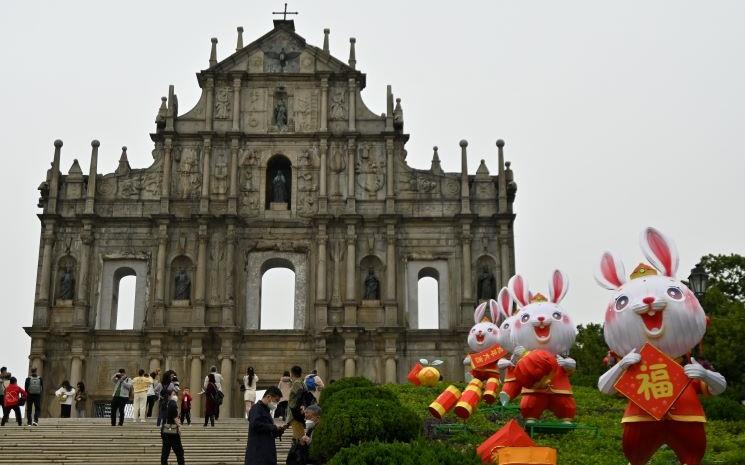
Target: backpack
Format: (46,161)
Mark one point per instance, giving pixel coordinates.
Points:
(12,397)
(310,382)
(34,385)
(218,397)
(307,398)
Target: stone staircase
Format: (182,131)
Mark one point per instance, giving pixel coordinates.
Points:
(86,441)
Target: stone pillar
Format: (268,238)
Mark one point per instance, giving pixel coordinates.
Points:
(41,309)
(90,196)
(209,88)
(195,380)
(201,277)
(351,148)
(165,188)
(352,104)
(504,255)
(322,261)
(324,105)
(501,179)
(80,317)
(226,370)
(204,203)
(76,372)
(233,192)
(466,242)
(324,148)
(321,365)
(155,353)
(465,201)
(391,368)
(350,354)
(236,104)
(351,294)
(389,177)
(390,262)
(228,308)
(157,316)
(54,181)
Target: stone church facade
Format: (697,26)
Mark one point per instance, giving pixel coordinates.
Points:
(279,164)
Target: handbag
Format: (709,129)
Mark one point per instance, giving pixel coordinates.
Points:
(170,428)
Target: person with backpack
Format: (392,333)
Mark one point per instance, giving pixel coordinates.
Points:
(170,432)
(13,400)
(80,397)
(298,395)
(65,395)
(218,385)
(35,388)
(213,400)
(314,384)
(122,386)
(169,383)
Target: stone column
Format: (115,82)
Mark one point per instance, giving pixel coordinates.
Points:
(209,88)
(351,288)
(466,241)
(76,371)
(91,193)
(236,104)
(201,276)
(351,148)
(204,203)
(321,365)
(154,353)
(324,104)
(165,188)
(352,104)
(350,354)
(81,306)
(233,192)
(54,181)
(324,148)
(195,381)
(465,200)
(389,177)
(504,255)
(391,368)
(41,310)
(322,261)
(226,370)
(228,318)
(390,262)
(160,270)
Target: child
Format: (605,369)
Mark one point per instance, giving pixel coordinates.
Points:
(186,407)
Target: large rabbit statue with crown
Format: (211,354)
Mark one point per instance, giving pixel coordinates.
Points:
(654,307)
(542,333)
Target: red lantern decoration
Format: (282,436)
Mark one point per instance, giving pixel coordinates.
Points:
(444,402)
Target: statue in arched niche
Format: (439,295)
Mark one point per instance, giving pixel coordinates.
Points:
(279,187)
(487,285)
(183,285)
(67,285)
(372,286)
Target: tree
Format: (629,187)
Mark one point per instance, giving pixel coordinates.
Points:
(726,273)
(589,350)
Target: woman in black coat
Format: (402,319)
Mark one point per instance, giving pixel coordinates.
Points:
(261,448)
(170,432)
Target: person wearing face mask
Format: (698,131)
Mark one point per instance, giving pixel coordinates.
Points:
(261,448)
(300,451)
(170,431)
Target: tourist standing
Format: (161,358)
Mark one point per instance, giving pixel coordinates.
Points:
(80,398)
(169,383)
(299,453)
(314,384)
(218,385)
(295,403)
(210,405)
(65,395)
(249,384)
(140,386)
(170,432)
(284,385)
(261,448)
(122,386)
(4,381)
(34,387)
(152,393)
(12,401)
(186,407)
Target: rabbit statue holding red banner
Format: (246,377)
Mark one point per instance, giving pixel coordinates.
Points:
(654,307)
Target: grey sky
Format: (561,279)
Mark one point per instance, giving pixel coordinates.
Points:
(616,115)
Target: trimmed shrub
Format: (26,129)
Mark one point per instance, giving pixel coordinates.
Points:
(722,408)
(359,420)
(416,453)
(355,393)
(340,385)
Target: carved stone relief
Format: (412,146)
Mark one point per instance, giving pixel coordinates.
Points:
(310,157)
(337,164)
(306,109)
(130,187)
(257,109)
(223,107)
(370,167)
(217,253)
(151,182)
(106,186)
(256,62)
(248,179)
(219,183)
(422,183)
(337,103)
(187,180)
(281,55)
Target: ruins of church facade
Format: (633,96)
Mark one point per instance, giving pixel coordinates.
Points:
(280,163)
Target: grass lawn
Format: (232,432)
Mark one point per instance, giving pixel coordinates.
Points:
(726,439)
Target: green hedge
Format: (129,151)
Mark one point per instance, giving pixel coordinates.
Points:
(371,392)
(362,420)
(340,385)
(722,408)
(416,453)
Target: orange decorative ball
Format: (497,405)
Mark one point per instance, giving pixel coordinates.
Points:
(428,376)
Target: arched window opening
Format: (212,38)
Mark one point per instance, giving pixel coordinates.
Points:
(278,183)
(428,299)
(277,298)
(123,306)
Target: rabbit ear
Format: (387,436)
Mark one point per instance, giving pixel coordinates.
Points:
(558,286)
(519,290)
(478,315)
(497,316)
(660,251)
(504,301)
(610,274)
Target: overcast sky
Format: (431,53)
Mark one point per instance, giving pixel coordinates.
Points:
(617,115)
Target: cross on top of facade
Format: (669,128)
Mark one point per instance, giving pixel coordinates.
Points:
(284,13)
